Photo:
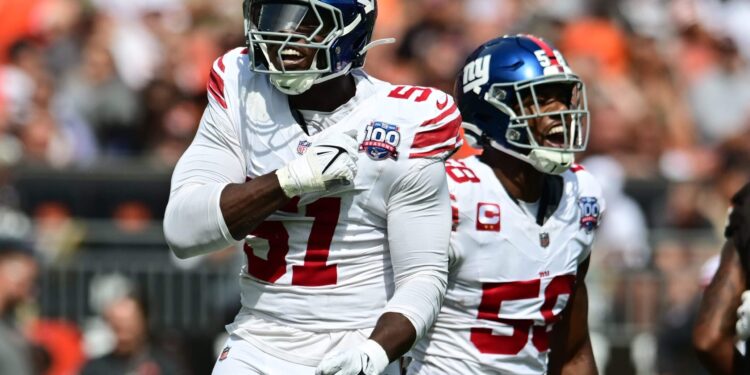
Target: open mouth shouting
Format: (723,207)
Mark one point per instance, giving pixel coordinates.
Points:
(555,136)
(291,58)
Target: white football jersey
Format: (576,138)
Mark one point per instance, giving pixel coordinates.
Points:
(322,262)
(510,278)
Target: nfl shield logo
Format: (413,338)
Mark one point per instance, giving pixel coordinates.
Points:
(303,146)
(224,354)
(544,239)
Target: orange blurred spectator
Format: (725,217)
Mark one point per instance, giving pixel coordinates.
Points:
(597,39)
(62,342)
(16,22)
(57,233)
(132,217)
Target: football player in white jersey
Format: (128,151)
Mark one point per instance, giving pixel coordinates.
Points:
(333,181)
(524,219)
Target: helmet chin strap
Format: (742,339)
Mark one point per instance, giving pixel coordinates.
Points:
(552,162)
(545,161)
(294,84)
(298,83)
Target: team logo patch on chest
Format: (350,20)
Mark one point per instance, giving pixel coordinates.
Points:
(589,213)
(303,146)
(381,141)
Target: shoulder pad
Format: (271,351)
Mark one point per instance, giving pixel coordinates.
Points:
(223,68)
(436,118)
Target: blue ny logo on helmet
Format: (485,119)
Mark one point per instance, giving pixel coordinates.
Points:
(498,93)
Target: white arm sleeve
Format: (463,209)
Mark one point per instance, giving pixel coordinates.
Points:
(419,227)
(193,222)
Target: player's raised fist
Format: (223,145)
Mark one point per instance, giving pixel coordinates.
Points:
(330,162)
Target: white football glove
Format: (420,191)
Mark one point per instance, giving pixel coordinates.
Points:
(743,317)
(368,358)
(330,162)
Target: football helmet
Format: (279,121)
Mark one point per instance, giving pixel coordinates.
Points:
(505,84)
(339,32)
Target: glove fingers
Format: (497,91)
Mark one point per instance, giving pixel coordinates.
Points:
(332,184)
(348,169)
(351,146)
(332,366)
(328,367)
(351,167)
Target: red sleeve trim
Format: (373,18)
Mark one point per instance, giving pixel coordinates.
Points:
(442,116)
(216,88)
(437,135)
(436,151)
(216,79)
(218,98)
(577,168)
(220,62)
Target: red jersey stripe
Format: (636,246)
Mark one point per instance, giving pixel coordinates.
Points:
(575,168)
(216,79)
(442,116)
(436,151)
(217,94)
(437,135)
(220,63)
(216,87)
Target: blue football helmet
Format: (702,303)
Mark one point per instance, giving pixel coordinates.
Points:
(339,31)
(505,83)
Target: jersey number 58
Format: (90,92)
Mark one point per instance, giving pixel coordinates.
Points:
(493,296)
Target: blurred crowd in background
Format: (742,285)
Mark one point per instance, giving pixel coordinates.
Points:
(121,84)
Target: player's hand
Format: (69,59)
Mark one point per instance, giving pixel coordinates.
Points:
(330,162)
(369,358)
(743,317)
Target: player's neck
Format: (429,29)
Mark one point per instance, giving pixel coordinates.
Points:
(521,180)
(326,96)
